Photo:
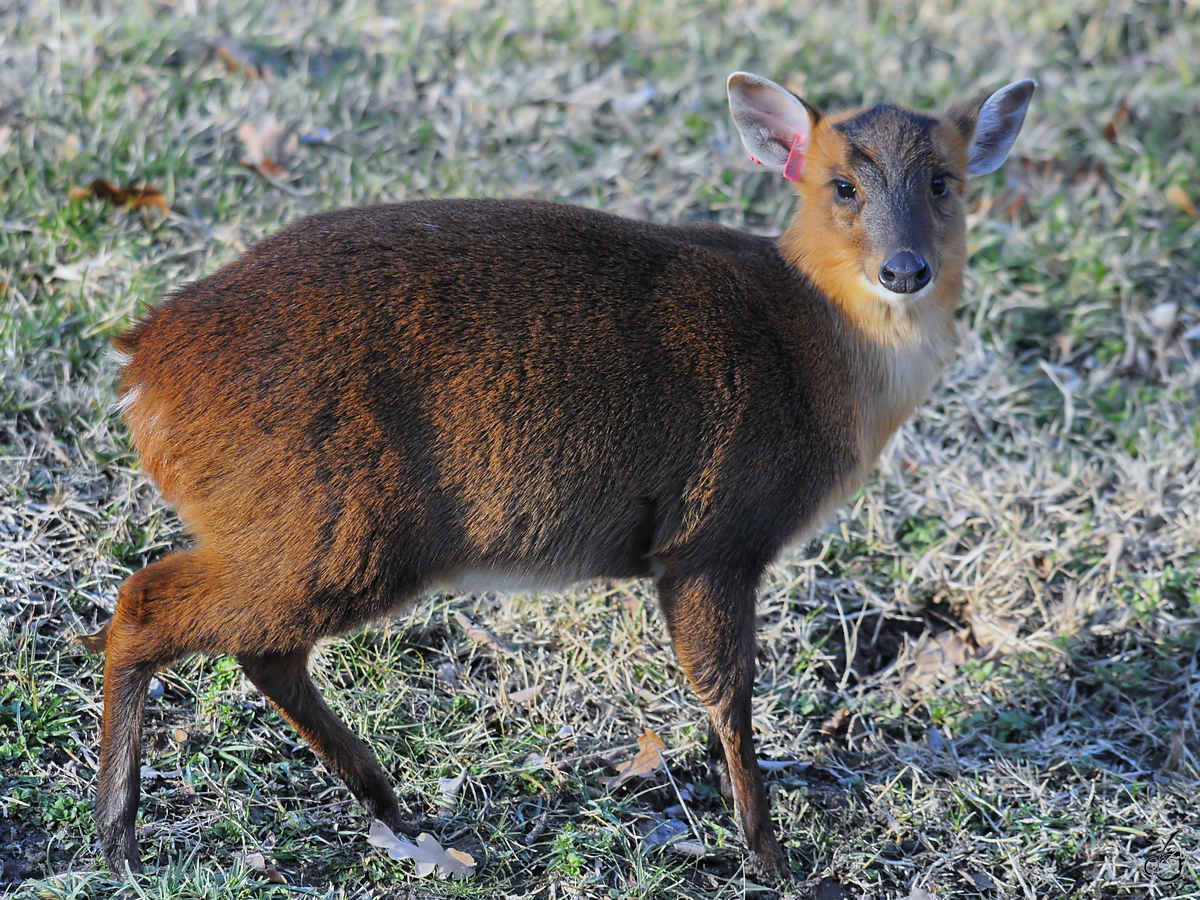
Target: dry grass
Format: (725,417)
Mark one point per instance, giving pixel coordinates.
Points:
(1009,612)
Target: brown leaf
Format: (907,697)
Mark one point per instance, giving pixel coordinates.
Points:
(527,696)
(258,863)
(427,854)
(68,147)
(256,62)
(834,723)
(1178,754)
(266,148)
(1113,129)
(129,197)
(648,759)
(1177,195)
(237,57)
(479,635)
(937,658)
(1017,204)
(994,634)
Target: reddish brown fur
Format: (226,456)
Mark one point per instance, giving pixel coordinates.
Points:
(374,402)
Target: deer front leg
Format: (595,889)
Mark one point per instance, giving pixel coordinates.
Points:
(711,622)
(284,679)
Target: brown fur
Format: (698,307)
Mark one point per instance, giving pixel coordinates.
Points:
(375,402)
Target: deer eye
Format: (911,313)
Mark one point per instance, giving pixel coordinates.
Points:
(938,186)
(845,190)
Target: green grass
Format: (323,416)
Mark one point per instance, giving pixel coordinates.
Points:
(1044,502)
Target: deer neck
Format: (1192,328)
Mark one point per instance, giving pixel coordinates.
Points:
(899,342)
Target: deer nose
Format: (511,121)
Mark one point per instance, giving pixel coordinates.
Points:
(905,273)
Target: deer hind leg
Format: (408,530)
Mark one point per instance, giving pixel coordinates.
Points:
(284,679)
(154,624)
(712,627)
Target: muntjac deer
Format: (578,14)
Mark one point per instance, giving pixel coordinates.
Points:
(374,403)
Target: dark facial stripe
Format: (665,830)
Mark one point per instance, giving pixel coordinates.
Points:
(894,136)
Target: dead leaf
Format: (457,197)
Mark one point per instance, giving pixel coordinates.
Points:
(128,197)
(981,881)
(265,62)
(427,854)
(1178,753)
(180,735)
(937,658)
(237,58)
(534,761)
(600,40)
(1017,204)
(1164,316)
(5,136)
(527,696)
(1177,195)
(68,147)
(448,789)
(635,100)
(959,517)
(995,635)
(834,723)
(934,739)
(258,863)
(1064,343)
(448,672)
(266,148)
(648,759)
(690,848)
(1113,128)
(664,831)
(478,635)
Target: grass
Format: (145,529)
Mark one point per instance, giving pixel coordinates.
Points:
(1008,613)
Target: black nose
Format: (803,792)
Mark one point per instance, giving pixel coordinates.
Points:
(905,273)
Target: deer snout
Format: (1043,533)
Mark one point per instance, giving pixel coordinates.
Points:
(905,273)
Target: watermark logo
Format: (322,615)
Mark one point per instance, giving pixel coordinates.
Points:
(1165,864)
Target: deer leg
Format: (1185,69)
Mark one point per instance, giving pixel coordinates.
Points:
(712,627)
(148,631)
(285,680)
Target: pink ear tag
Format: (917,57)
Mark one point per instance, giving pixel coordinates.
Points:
(795,161)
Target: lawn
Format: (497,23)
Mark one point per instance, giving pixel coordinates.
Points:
(983,679)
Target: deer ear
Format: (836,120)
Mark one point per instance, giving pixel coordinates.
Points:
(775,124)
(992,124)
